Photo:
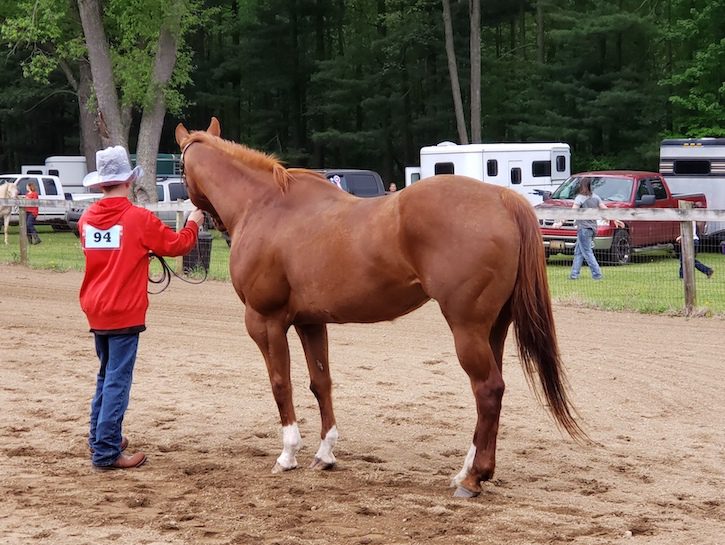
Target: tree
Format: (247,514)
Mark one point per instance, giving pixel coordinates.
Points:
(50,33)
(474,13)
(695,43)
(453,71)
(140,62)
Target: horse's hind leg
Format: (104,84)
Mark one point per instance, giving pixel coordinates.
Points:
(480,363)
(271,338)
(314,343)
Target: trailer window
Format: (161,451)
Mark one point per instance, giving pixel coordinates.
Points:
(444,168)
(540,169)
(49,185)
(561,163)
(516,175)
(492,167)
(692,166)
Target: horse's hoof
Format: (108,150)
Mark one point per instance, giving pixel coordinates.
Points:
(462,492)
(281,469)
(320,465)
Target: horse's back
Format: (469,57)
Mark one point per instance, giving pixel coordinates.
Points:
(463,210)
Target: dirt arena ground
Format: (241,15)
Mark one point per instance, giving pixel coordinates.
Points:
(649,389)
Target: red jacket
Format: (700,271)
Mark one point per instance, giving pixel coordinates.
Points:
(117,237)
(32,196)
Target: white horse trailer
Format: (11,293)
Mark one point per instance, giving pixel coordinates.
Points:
(530,169)
(697,165)
(71,169)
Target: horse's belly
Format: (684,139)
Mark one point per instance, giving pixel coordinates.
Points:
(358,306)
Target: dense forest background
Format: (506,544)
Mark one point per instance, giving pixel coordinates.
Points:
(365,83)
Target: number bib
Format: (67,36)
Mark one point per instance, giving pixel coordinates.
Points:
(102,239)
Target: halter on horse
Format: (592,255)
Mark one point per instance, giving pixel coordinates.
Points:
(7,191)
(306,254)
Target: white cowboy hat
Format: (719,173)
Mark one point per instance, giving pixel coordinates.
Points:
(113,168)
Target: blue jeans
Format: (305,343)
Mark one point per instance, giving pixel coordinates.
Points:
(583,252)
(117,355)
(698,265)
(30,224)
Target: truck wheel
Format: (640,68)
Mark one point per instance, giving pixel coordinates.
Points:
(621,251)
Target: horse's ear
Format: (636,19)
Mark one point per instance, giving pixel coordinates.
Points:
(214,127)
(181,134)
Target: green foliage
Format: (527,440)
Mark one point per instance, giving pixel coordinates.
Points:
(696,35)
(364,83)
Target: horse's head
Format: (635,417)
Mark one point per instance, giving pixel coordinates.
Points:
(192,178)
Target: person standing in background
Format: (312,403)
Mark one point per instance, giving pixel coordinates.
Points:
(586,229)
(31,212)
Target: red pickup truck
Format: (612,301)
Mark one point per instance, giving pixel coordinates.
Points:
(618,189)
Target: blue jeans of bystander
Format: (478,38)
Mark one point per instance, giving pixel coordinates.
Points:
(117,356)
(583,252)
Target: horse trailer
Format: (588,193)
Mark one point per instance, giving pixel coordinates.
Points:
(697,165)
(528,168)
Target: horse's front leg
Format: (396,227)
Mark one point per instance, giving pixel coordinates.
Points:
(270,334)
(314,343)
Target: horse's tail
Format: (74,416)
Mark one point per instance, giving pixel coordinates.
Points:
(534,321)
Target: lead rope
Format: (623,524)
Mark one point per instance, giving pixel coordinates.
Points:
(166,274)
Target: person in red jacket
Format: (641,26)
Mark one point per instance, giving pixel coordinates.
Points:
(117,237)
(31,212)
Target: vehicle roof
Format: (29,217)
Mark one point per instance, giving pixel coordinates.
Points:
(710,141)
(450,147)
(617,173)
(343,170)
(29,176)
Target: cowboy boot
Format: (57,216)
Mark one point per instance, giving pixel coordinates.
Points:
(36,239)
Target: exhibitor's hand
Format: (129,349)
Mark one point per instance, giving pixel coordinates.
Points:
(619,224)
(197,216)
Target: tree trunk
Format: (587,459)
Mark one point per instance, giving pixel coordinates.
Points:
(90,138)
(102,71)
(82,85)
(453,72)
(540,32)
(475,19)
(152,121)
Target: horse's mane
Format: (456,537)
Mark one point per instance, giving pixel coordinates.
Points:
(249,157)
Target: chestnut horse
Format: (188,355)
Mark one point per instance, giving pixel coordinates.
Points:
(305,254)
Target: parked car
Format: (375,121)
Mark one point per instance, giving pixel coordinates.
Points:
(618,189)
(49,188)
(169,190)
(362,183)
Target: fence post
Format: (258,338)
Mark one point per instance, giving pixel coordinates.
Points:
(179,227)
(23,233)
(687,256)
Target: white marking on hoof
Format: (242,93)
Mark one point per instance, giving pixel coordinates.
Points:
(325,459)
(467,465)
(462,492)
(291,444)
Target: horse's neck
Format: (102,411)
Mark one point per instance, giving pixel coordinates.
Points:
(234,197)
